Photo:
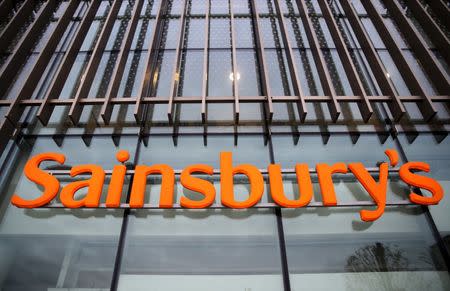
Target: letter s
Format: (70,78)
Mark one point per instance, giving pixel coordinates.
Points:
(40,177)
(198,185)
(421,182)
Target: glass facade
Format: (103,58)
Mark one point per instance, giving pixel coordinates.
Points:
(177,82)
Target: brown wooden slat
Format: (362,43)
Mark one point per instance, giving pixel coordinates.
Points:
(324,74)
(225,99)
(23,48)
(426,107)
(114,84)
(89,74)
(40,65)
(262,64)
(205,65)
(433,30)
(395,105)
(176,67)
(429,62)
(347,62)
(234,64)
(204,109)
(152,55)
(296,85)
(46,109)
(11,30)
(6,6)
(6,131)
(441,10)
(15,111)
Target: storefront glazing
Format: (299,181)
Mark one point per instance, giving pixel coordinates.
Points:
(228,108)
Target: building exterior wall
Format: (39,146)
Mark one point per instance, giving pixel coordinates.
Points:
(180,81)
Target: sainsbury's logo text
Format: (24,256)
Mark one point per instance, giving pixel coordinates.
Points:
(376,188)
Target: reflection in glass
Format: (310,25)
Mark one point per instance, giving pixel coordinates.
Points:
(201,249)
(41,249)
(439,160)
(331,248)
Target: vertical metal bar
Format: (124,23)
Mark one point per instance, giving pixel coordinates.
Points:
(433,30)
(124,227)
(441,10)
(15,24)
(46,108)
(280,228)
(120,246)
(298,91)
(176,67)
(119,67)
(23,48)
(395,105)
(325,78)
(204,111)
(262,61)
(6,131)
(205,63)
(283,251)
(277,212)
(19,55)
(94,61)
(35,74)
(234,65)
(438,76)
(5,8)
(427,108)
(150,62)
(350,70)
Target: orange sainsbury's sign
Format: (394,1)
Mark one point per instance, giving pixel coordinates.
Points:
(94,185)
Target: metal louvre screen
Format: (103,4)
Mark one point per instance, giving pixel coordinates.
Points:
(213,64)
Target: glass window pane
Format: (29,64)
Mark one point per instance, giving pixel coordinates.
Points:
(247,73)
(192,78)
(43,248)
(196,33)
(230,250)
(332,249)
(219,7)
(161,149)
(219,33)
(436,153)
(220,73)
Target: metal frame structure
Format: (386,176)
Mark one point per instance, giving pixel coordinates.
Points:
(42,108)
(428,60)
(94,61)
(264,77)
(301,105)
(205,70)
(319,59)
(441,9)
(426,107)
(18,19)
(147,84)
(17,104)
(46,108)
(433,30)
(119,67)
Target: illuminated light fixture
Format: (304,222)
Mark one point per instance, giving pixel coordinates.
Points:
(388,75)
(238,76)
(155,78)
